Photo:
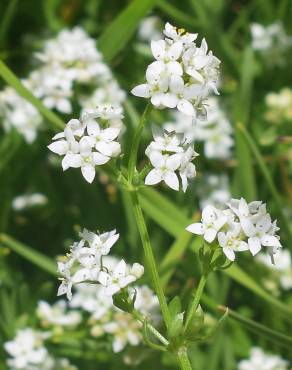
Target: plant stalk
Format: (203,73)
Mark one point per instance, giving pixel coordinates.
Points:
(196,300)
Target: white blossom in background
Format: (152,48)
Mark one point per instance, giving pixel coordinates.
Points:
(19,114)
(215,130)
(28,200)
(279,106)
(63,64)
(241,226)
(27,350)
(171,157)
(282,268)
(124,329)
(150,28)
(183,74)
(57,314)
(85,263)
(271,42)
(90,141)
(108,94)
(213,190)
(259,360)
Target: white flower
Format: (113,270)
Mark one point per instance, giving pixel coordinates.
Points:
(214,130)
(27,350)
(242,226)
(182,75)
(125,329)
(179,34)
(170,155)
(85,144)
(17,113)
(231,242)
(164,169)
(147,303)
(259,360)
(120,277)
(100,244)
(282,266)
(29,200)
(271,41)
(57,314)
(257,225)
(202,65)
(149,29)
(279,106)
(212,221)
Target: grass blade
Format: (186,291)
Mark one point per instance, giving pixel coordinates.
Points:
(14,81)
(35,257)
(118,33)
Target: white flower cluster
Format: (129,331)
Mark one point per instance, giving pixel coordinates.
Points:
(90,141)
(28,352)
(19,114)
(170,155)
(259,360)
(57,314)
(279,106)
(241,226)
(214,131)
(282,269)
(183,74)
(65,63)
(29,200)
(149,29)
(106,319)
(85,263)
(271,41)
(67,60)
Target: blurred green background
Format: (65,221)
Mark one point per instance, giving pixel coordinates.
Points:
(261,168)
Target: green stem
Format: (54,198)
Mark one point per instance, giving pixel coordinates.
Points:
(151,328)
(195,302)
(183,359)
(149,257)
(13,81)
(135,144)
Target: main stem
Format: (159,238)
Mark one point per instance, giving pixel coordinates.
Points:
(149,257)
(195,302)
(183,359)
(135,144)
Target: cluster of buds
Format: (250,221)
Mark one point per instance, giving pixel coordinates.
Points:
(90,141)
(170,155)
(84,264)
(241,226)
(183,74)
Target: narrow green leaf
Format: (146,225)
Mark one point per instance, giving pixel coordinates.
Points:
(177,15)
(242,103)
(6,20)
(174,307)
(119,32)
(259,329)
(176,251)
(35,257)
(13,81)
(157,207)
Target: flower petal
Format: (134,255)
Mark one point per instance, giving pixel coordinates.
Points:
(88,172)
(143,91)
(153,177)
(196,228)
(254,245)
(171,180)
